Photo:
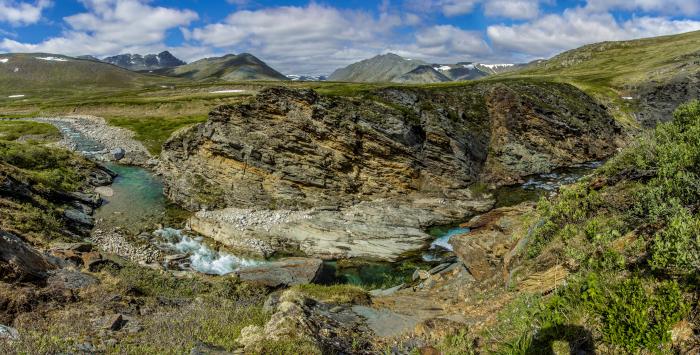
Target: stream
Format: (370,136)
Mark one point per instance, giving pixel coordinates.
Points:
(136,203)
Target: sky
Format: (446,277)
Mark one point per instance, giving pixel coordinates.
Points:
(316,37)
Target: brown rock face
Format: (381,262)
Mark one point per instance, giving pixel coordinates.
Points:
(19,261)
(297,149)
(486,249)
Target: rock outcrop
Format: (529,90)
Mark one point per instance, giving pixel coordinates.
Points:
(357,159)
(329,328)
(487,249)
(283,272)
(19,262)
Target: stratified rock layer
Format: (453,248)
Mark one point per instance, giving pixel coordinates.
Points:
(296,150)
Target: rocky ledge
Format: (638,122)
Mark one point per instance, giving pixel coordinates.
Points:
(364,176)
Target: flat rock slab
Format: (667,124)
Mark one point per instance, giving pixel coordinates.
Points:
(283,272)
(385,323)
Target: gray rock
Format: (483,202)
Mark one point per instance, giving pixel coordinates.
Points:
(114,322)
(8,333)
(439,268)
(118,153)
(79,217)
(283,272)
(19,261)
(72,280)
(386,292)
(420,275)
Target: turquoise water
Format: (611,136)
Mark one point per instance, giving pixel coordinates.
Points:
(138,203)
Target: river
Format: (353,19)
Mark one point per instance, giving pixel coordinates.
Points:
(137,204)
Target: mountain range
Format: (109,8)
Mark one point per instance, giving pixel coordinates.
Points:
(138,62)
(391,67)
(231,67)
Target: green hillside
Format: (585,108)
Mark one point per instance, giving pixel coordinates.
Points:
(612,71)
(242,67)
(31,72)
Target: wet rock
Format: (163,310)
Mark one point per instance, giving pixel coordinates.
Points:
(283,272)
(79,217)
(8,333)
(118,153)
(19,261)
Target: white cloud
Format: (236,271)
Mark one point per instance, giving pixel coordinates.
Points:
(514,9)
(110,27)
(669,7)
(305,39)
(22,13)
(554,33)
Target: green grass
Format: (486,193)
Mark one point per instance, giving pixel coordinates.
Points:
(607,70)
(631,234)
(154,131)
(12,130)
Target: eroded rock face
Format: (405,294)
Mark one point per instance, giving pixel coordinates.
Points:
(360,170)
(297,149)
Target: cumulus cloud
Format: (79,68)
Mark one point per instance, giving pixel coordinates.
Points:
(554,33)
(514,9)
(314,37)
(671,7)
(110,27)
(22,13)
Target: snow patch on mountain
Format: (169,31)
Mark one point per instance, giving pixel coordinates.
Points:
(52,59)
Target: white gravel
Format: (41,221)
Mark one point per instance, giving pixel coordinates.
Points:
(97,129)
(247,218)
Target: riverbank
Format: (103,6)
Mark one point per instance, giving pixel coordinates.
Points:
(94,137)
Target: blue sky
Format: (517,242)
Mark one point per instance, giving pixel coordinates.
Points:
(315,37)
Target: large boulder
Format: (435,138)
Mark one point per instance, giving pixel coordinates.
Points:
(486,249)
(382,229)
(19,262)
(331,329)
(283,272)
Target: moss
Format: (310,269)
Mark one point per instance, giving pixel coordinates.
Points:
(15,129)
(154,131)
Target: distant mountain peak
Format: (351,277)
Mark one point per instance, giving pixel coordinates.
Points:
(136,62)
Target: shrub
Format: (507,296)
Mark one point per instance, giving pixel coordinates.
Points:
(635,314)
(676,248)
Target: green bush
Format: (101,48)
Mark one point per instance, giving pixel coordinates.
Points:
(676,248)
(634,317)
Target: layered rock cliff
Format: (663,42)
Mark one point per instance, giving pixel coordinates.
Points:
(295,150)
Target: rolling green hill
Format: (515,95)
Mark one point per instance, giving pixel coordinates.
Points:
(629,75)
(242,67)
(31,72)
